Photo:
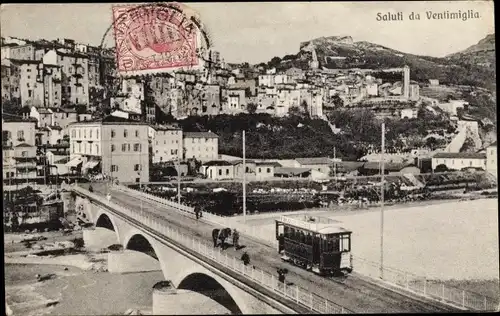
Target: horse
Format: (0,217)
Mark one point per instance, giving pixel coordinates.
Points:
(220,235)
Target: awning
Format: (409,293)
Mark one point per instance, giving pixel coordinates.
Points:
(75,162)
(91,164)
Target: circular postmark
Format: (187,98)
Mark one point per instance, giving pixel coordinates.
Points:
(158,37)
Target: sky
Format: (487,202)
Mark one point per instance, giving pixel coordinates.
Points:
(256,32)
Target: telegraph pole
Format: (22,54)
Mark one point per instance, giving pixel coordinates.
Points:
(244,182)
(335,164)
(140,176)
(382,203)
(178,181)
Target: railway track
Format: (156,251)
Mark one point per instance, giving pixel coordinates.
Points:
(352,292)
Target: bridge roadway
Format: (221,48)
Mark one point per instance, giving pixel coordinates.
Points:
(354,293)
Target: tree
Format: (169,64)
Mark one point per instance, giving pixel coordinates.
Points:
(337,101)
(305,106)
(468,146)
(441,168)
(81,108)
(274,62)
(431,143)
(294,111)
(193,166)
(251,108)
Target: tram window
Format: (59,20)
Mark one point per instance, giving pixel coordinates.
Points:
(336,243)
(287,231)
(344,245)
(309,239)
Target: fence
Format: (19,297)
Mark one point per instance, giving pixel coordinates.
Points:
(258,233)
(409,281)
(428,288)
(293,293)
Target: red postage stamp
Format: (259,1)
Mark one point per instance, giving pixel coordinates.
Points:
(154,38)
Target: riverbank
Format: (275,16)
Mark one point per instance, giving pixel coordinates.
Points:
(77,292)
(79,284)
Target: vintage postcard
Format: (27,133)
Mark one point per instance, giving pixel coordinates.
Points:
(171,158)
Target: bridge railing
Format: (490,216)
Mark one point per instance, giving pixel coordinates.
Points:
(294,293)
(258,233)
(421,285)
(429,288)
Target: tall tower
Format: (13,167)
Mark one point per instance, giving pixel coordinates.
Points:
(406,82)
(314,64)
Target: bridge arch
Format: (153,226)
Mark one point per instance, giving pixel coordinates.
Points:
(104,220)
(219,290)
(138,241)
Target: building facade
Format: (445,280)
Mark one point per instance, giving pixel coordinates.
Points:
(18,148)
(202,146)
(167,144)
(459,161)
(74,78)
(491,159)
(119,145)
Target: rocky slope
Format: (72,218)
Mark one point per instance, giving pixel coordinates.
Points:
(482,53)
(470,67)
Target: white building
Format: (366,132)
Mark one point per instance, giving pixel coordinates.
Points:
(167,144)
(409,113)
(281,79)
(459,161)
(452,106)
(266,80)
(372,89)
(491,159)
(201,145)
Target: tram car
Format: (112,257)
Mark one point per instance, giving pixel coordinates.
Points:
(315,243)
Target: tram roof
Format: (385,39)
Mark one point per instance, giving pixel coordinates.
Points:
(321,225)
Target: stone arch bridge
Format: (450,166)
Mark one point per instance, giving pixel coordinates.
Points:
(183,269)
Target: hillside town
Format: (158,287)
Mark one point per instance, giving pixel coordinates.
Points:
(67,116)
(61,125)
(168,155)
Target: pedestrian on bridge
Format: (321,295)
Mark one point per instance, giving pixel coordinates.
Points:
(236,238)
(197,211)
(281,275)
(245,258)
(108,196)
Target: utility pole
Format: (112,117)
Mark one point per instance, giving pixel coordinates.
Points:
(140,176)
(178,181)
(244,182)
(382,189)
(335,164)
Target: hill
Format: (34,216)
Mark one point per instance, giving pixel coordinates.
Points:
(482,53)
(300,136)
(344,52)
